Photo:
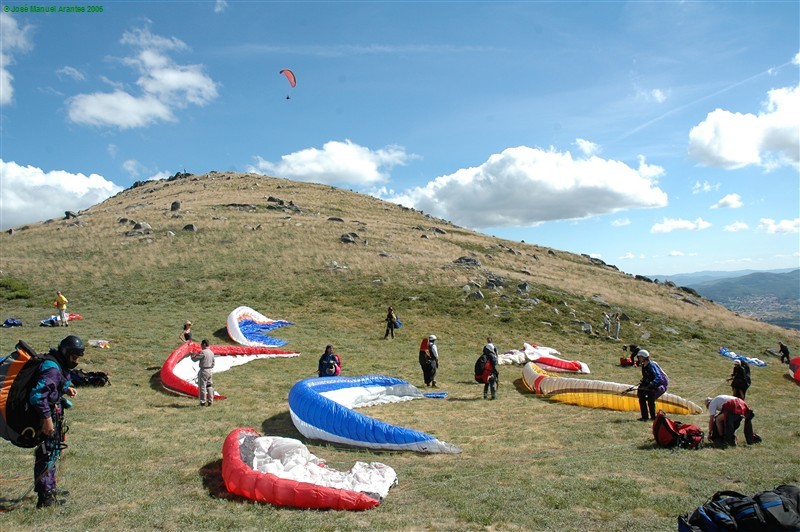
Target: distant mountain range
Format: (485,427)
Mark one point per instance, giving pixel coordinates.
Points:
(771,296)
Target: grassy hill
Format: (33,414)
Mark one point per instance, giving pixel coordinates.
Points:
(142,459)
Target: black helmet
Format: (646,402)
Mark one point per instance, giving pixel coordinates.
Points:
(71,345)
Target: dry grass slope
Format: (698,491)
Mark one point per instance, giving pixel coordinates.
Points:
(142,459)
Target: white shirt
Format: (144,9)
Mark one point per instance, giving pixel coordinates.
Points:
(433,350)
(716,403)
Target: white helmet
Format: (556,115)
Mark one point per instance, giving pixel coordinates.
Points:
(643,353)
(432,338)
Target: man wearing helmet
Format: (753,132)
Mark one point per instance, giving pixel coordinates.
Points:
(652,386)
(46,400)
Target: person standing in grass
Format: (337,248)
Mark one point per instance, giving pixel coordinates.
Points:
(429,361)
(606,323)
(204,380)
(488,374)
(391,321)
(617,325)
(652,386)
(61,304)
(784,351)
(46,399)
(186,334)
(740,378)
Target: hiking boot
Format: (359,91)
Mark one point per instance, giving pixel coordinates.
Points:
(485,397)
(643,419)
(202,404)
(48,499)
(209,403)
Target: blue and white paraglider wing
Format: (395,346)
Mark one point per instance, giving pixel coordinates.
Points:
(249,327)
(322,408)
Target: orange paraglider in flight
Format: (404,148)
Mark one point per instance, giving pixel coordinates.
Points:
(290,76)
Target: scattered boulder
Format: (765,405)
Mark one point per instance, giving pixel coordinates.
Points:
(142,226)
(70,214)
(176,206)
(469,262)
(348,238)
(335,219)
(190,227)
(477,294)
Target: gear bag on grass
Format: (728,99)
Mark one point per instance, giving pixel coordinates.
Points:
(670,433)
(778,509)
(19,422)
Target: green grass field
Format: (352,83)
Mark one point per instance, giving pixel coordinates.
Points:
(139,458)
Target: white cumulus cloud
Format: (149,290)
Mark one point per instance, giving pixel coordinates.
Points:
(220,6)
(673,224)
(731,201)
(736,227)
(621,222)
(769,139)
(769,225)
(164,87)
(15,41)
(523,186)
(587,147)
(336,163)
(705,186)
(29,194)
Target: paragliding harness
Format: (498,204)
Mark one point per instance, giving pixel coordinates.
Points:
(480,368)
(19,422)
(669,433)
(778,509)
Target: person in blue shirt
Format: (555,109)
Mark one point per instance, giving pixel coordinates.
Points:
(46,399)
(330,364)
(652,386)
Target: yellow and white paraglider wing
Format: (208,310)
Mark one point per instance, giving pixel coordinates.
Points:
(598,394)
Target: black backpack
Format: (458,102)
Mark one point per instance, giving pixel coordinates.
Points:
(89,378)
(778,509)
(19,422)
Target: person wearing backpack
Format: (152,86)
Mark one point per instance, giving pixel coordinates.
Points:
(330,364)
(652,386)
(391,323)
(486,369)
(429,360)
(46,399)
(740,378)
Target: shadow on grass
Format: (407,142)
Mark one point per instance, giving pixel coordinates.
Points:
(155,384)
(790,379)
(9,505)
(211,474)
(221,334)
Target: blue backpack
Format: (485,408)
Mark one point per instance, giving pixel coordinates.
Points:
(773,510)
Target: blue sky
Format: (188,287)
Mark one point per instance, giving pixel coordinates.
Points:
(661,137)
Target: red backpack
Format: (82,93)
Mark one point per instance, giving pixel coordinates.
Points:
(669,433)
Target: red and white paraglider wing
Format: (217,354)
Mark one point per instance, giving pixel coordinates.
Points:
(282,471)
